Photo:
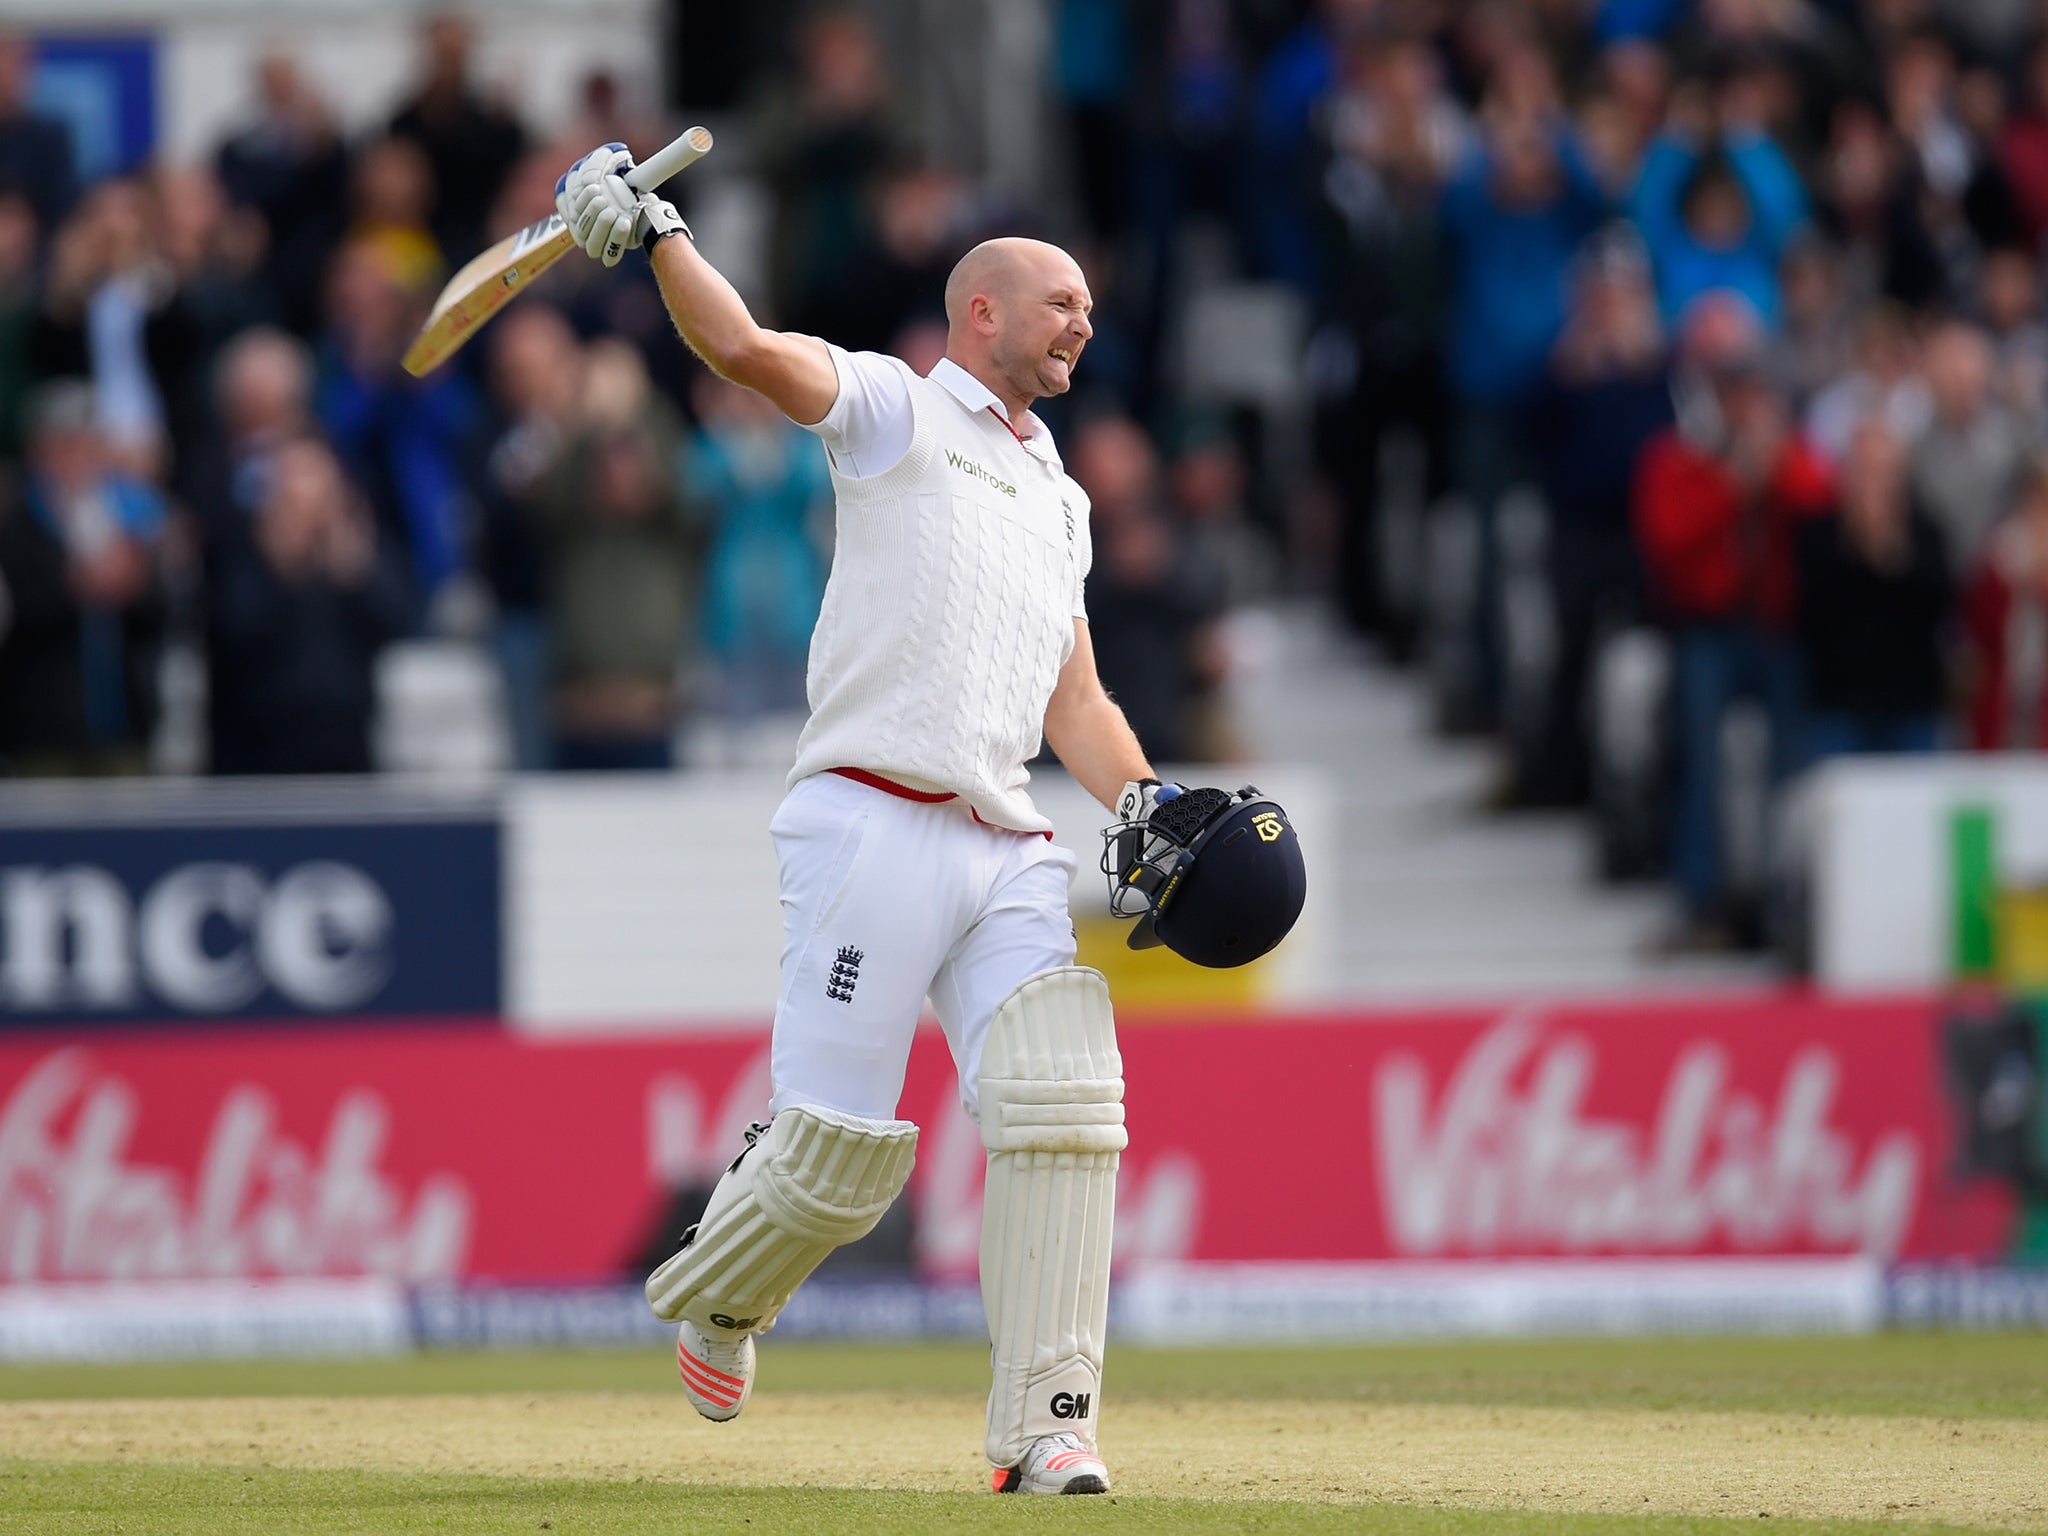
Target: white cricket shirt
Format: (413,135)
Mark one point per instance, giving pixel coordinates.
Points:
(956,579)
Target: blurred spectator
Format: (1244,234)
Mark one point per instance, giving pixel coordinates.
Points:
(305,597)
(262,399)
(821,153)
(1513,217)
(35,151)
(1966,466)
(1396,136)
(19,302)
(402,439)
(2023,148)
(1717,217)
(1875,598)
(1093,44)
(1206,484)
(1717,502)
(78,558)
(289,167)
(393,196)
(470,143)
(2009,304)
(1292,85)
(213,255)
(2006,620)
(764,488)
(624,572)
(1967,199)
(1885,382)
(1605,397)
(898,277)
(536,374)
(1635,92)
(112,312)
(1812,345)
(1871,207)
(607,117)
(1150,595)
(1512,222)
(1206,490)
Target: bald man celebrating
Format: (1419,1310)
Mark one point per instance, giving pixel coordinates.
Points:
(914,864)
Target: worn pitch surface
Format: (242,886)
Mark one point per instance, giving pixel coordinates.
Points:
(1825,1434)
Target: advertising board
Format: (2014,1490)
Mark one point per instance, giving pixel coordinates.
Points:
(167,922)
(1735,1129)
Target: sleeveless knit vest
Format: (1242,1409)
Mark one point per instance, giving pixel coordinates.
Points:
(956,578)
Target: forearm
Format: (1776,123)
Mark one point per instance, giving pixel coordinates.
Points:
(707,310)
(1097,746)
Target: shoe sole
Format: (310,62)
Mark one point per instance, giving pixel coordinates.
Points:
(1011,1480)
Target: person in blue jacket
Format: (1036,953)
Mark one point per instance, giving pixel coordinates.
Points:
(1512,220)
(1717,217)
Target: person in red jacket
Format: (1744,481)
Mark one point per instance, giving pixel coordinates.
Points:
(2005,615)
(1717,501)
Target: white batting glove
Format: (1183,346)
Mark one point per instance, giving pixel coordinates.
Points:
(602,212)
(1131,847)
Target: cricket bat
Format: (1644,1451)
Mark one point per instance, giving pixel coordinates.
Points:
(488,281)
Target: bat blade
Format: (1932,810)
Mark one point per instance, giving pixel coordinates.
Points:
(485,285)
(490,280)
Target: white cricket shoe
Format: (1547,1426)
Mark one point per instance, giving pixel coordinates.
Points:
(1059,1463)
(718,1374)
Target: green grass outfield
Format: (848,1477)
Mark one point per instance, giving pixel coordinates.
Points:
(1896,1433)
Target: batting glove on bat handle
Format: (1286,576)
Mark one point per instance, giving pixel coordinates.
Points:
(602,213)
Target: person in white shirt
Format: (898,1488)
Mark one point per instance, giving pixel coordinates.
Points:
(952,639)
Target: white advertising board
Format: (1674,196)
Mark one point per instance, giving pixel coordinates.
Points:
(651,904)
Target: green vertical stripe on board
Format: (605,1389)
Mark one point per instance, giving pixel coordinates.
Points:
(1973,930)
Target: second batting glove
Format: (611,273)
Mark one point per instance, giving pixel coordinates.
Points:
(602,212)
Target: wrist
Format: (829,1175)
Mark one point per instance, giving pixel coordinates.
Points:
(659,220)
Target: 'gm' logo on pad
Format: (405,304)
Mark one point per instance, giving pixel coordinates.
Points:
(1070,1405)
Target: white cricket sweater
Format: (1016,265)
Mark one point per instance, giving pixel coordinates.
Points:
(956,579)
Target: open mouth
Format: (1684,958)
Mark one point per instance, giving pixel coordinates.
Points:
(1062,354)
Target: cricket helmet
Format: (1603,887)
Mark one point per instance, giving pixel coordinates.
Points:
(1214,876)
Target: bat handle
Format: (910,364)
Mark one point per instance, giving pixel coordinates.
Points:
(666,161)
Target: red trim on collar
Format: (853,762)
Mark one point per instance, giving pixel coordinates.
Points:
(999,416)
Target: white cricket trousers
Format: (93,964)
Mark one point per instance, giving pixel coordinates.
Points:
(886,901)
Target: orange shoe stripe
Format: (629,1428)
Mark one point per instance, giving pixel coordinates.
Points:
(710,1370)
(716,1391)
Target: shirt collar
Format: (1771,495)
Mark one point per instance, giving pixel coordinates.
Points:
(977,396)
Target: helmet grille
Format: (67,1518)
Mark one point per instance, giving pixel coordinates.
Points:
(1185,815)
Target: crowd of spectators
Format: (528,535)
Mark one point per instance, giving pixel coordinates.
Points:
(206,439)
(1747,291)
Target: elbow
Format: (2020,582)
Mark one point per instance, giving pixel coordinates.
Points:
(742,360)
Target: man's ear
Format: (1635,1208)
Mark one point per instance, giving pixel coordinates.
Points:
(981,313)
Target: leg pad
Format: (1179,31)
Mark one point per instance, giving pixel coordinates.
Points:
(1052,1118)
(817,1180)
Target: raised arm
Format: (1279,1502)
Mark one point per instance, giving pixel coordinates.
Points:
(607,216)
(792,370)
